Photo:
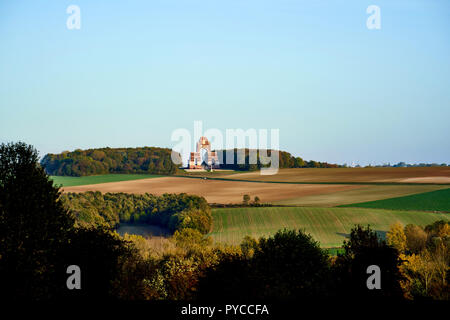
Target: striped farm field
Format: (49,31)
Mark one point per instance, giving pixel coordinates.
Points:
(417,175)
(329,226)
(438,200)
(229,191)
(88,180)
(214,191)
(362,194)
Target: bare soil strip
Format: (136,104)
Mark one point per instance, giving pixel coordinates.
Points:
(215,191)
(343,175)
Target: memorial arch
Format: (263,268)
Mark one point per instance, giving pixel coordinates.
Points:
(203,157)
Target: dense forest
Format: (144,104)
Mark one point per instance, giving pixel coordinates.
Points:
(171,211)
(286,160)
(150,160)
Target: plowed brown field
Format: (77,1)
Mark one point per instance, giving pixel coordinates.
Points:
(388,174)
(215,191)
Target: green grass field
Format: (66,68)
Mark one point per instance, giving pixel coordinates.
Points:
(438,200)
(329,226)
(362,194)
(79,181)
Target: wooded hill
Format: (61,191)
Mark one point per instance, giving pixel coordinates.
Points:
(153,160)
(150,160)
(286,160)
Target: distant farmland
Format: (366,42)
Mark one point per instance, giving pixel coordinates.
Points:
(215,191)
(317,216)
(329,226)
(362,194)
(88,180)
(343,175)
(438,200)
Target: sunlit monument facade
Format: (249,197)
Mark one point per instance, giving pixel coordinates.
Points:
(203,158)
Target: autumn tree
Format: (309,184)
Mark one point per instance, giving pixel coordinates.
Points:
(191,239)
(419,271)
(427,261)
(396,237)
(248,246)
(439,229)
(416,238)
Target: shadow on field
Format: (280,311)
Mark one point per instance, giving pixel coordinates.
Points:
(145,230)
(381,234)
(345,235)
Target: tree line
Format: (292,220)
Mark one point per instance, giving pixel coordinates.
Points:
(170,211)
(425,253)
(150,160)
(241,160)
(407,165)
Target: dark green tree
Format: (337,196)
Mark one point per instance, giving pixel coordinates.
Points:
(363,249)
(38,240)
(100,254)
(245,199)
(288,266)
(33,224)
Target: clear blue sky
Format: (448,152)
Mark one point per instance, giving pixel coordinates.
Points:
(137,70)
